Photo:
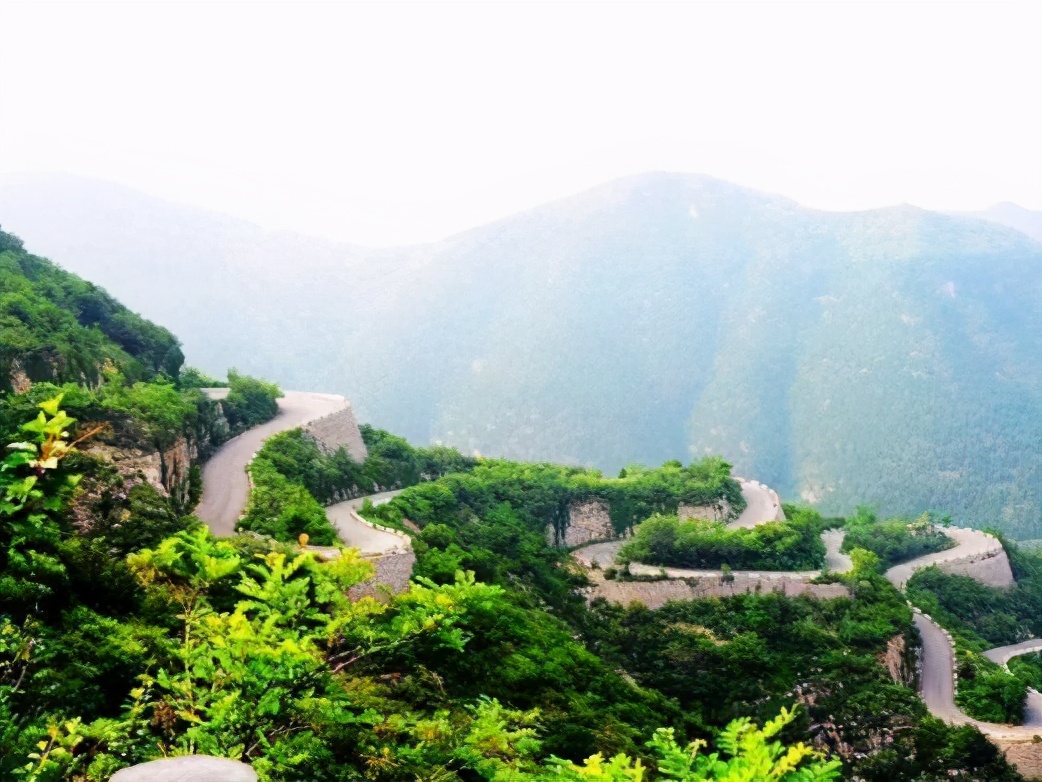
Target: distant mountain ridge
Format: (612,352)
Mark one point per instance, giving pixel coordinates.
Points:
(1027,221)
(890,356)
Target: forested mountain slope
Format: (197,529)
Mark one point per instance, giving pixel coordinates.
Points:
(57,327)
(890,357)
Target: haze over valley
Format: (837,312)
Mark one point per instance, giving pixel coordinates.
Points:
(887,357)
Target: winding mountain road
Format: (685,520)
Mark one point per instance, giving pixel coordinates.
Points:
(977,553)
(937,688)
(761,504)
(356,532)
(225,483)
(970,545)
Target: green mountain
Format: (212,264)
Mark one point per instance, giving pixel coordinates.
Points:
(57,327)
(889,357)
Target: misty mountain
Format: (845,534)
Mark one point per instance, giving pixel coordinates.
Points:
(1026,221)
(892,356)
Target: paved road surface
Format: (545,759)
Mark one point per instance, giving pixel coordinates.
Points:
(938,692)
(761,505)
(603,555)
(970,542)
(358,535)
(1003,654)
(225,486)
(835,561)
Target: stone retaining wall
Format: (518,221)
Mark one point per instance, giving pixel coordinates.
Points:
(655,594)
(393,572)
(588,520)
(990,568)
(717,512)
(338,430)
(393,567)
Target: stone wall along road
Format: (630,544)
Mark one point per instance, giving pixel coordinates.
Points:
(225,483)
(689,584)
(976,554)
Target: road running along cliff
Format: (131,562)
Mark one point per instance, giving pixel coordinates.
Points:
(226,485)
(977,554)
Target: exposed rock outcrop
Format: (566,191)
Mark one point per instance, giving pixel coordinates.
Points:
(165,469)
(901,662)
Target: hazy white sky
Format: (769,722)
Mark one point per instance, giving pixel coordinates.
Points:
(389,123)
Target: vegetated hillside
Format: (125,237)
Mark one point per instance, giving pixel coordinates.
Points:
(55,326)
(888,357)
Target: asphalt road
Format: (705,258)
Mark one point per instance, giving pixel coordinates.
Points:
(969,542)
(761,505)
(225,485)
(1003,654)
(938,692)
(357,534)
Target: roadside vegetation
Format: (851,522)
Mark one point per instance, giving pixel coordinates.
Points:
(128,632)
(980,618)
(246,650)
(793,544)
(894,540)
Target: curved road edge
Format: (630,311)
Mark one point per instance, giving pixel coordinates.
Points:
(226,485)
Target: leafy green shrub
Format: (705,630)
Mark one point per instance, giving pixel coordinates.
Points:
(190,377)
(250,401)
(794,544)
(988,693)
(283,509)
(1028,668)
(894,540)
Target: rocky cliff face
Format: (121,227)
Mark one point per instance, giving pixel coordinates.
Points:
(901,662)
(166,470)
(720,511)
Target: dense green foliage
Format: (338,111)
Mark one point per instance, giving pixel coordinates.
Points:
(1028,668)
(190,377)
(542,493)
(250,401)
(987,692)
(793,544)
(55,326)
(236,649)
(392,464)
(495,519)
(292,477)
(894,540)
(749,653)
(282,509)
(248,649)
